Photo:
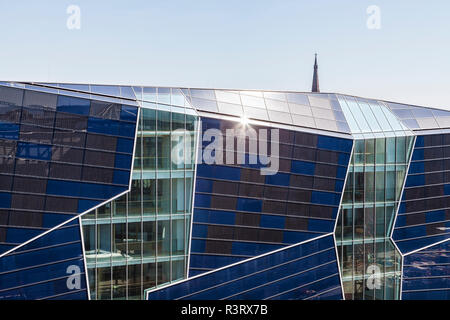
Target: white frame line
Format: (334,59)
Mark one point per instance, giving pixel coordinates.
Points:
(84,259)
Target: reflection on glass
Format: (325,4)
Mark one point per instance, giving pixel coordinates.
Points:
(163,241)
(119,242)
(134,282)
(134,239)
(163,272)
(134,198)
(104,282)
(119,284)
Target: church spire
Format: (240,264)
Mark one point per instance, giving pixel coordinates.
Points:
(315,84)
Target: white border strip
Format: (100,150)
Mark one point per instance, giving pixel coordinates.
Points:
(84,259)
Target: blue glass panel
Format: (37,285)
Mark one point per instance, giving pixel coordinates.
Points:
(418,155)
(63,188)
(410,232)
(200,231)
(303,167)
(325,198)
(414,181)
(128,113)
(253,205)
(416,167)
(123,161)
(198,245)
(212,216)
(34,151)
(9,131)
(435,216)
(297,236)
(84,205)
(19,235)
(203,185)
(212,261)
(252,249)
(73,105)
(321,225)
(334,144)
(127,129)
(218,172)
(341,172)
(203,201)
(121,177)
(447,189)
(50,220)
(279,179)
(125,145)
(104,126)
(343,159)
(339,186)
(276,222)
(420,142)
(5,200)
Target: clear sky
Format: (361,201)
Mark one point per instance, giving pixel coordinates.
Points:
(235,44)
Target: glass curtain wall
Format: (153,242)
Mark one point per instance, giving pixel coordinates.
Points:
(370,263)
(140,240)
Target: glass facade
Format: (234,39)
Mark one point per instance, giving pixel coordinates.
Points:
(67,148)
(140,240)
(370,263)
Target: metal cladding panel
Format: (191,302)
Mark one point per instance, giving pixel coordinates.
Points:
(304,271)
(423,217)
(426,274)
(240,213)
(51,267)
(60,156)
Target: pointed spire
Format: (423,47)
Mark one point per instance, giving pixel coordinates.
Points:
(315,84)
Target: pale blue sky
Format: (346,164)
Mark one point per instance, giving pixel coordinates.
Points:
(235,44)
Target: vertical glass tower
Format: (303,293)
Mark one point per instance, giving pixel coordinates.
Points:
(370,263)
(140,240)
